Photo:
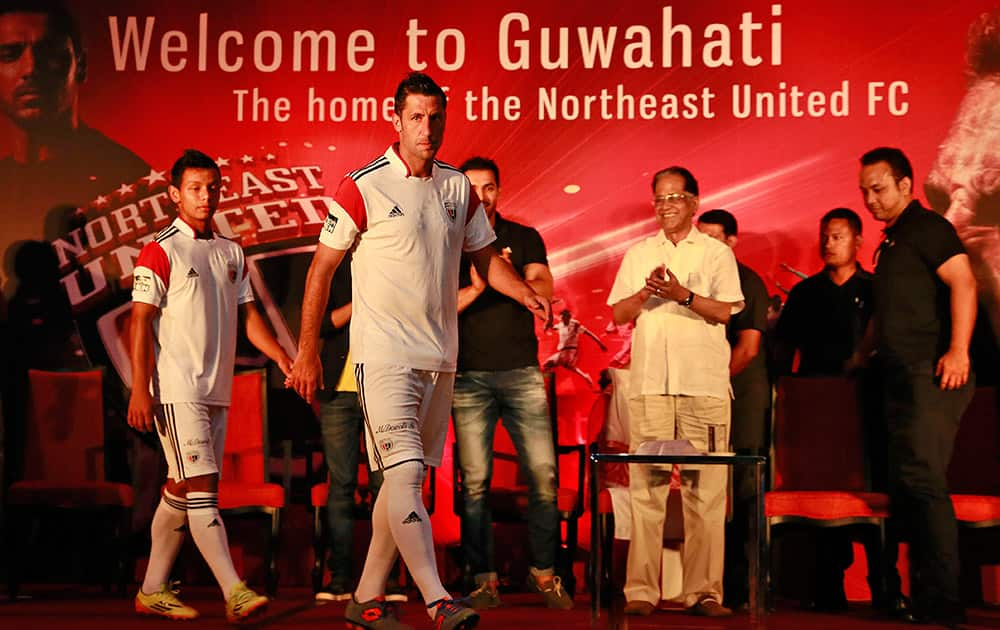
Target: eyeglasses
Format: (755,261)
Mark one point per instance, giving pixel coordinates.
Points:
(673,199)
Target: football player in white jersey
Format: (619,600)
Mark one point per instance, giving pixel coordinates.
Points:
(190,286)
(408,218)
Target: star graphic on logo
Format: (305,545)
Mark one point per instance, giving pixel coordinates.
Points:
(155,176)
(125,189)
(221,161)
(270,157)
(246,159)
(100,201)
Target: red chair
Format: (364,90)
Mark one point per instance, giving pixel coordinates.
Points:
(243,486)
(974,473)
(818,464)
(64,468)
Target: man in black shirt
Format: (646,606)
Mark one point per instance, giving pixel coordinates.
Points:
(498,377)
(751,403)
(824,320)
(826,315)
(925,310)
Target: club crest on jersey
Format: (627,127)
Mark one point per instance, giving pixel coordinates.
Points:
(192,457)
(385,445)
(232,272)
(449,207)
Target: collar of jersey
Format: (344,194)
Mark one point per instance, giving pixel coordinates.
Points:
(182,225)
(396,162)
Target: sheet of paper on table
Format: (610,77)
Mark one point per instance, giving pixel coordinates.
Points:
(667,447)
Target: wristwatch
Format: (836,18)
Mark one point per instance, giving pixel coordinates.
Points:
(687,301)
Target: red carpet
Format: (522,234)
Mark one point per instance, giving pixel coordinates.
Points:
(294,609)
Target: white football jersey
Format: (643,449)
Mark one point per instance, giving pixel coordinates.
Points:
(409,233)
(198,285)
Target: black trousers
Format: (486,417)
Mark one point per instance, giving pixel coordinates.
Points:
(922,421)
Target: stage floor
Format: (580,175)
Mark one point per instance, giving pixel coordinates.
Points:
(50,607)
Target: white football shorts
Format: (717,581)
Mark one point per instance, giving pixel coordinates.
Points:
(406,413)
(193,437)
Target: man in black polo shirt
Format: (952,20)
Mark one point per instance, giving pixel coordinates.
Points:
(925,311)
(825,319)
(498,377)
(751,403)
(825,316)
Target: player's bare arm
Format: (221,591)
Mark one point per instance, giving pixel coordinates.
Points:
(953,366)
(140,404)
(262,337)
(307,371)
(502,277)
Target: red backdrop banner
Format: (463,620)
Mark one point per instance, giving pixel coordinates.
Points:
(769,104)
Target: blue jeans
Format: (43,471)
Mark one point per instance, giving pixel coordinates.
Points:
(517,396)
(341,423)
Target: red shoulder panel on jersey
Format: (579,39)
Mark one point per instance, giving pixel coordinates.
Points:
(350,199)
(153,257)
(473,204)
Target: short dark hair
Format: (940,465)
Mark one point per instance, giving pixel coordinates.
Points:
(192,158)
(481,164)
(61,21)
(418,83)
(690,183)
(895,158)
(852,218)
(718,216)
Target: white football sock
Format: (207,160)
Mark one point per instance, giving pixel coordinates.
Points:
(209,535)
(411,528)
(382,553)
(167,535)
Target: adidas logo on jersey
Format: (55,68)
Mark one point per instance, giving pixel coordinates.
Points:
(192,273)
(215,523)
(412,518)
(395,212)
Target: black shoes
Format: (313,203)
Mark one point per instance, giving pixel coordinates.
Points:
(948,615)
